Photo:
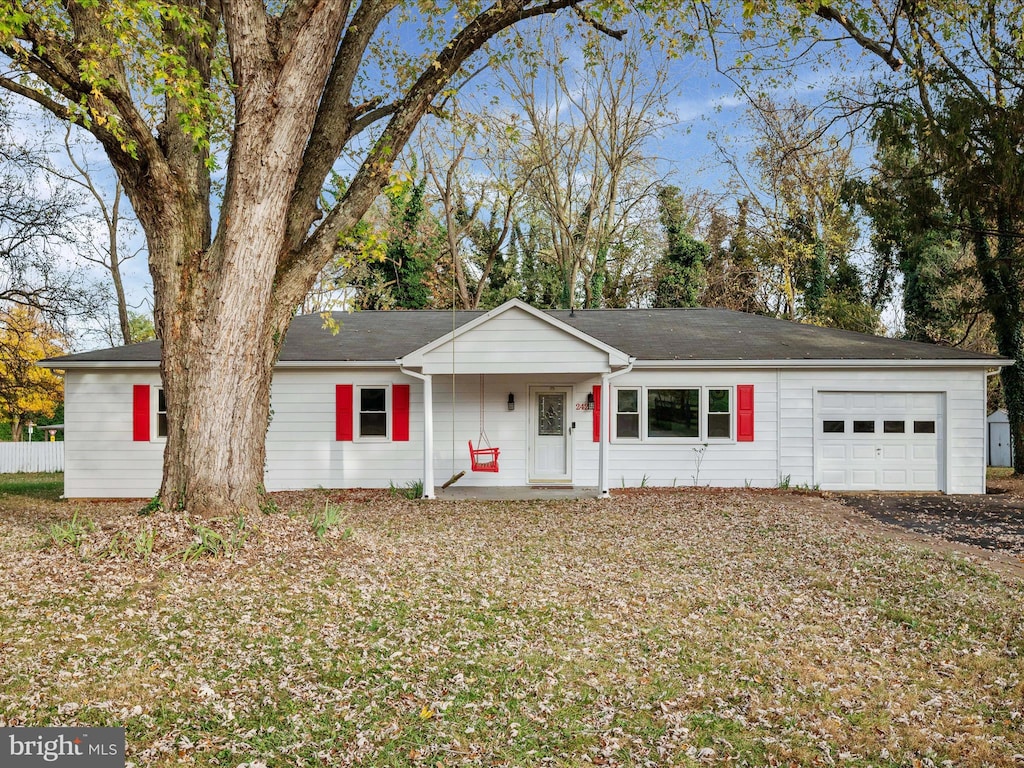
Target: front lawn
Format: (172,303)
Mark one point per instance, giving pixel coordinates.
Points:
(657,628)
(35,485)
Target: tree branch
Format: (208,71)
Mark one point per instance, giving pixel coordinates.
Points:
(589,20)
(874,46)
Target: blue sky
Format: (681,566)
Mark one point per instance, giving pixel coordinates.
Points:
(703,100)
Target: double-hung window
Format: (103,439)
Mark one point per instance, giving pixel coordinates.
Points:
(627,414)
(373,412)
(161,414)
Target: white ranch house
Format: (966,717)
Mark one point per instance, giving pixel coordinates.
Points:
(591,398)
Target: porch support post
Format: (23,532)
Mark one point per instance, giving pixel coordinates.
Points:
(602,445)
(602,428)
(428,431)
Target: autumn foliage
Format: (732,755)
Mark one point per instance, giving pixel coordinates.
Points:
(26,390)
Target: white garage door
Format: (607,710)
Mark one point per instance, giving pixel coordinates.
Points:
(886,441)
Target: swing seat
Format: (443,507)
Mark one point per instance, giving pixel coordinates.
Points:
(483,459)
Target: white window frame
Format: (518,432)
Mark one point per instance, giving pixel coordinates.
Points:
(639,414)
(358,414)
(154,414)
(704,400)
(706,412)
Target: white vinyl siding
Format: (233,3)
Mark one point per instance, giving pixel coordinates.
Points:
(516,342)
(102,460)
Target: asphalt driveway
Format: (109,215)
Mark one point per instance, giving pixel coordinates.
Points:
(993,521)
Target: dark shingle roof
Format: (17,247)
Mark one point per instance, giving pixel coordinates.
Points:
(646,334)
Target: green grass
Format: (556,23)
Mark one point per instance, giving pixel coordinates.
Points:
(35,485)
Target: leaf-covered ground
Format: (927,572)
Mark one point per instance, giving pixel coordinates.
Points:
(656,628)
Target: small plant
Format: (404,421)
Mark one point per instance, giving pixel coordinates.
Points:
(267,504)
(70,533)
(698,459)
(413,490)
(644,481)
(331,517)
(144,541)
(208,542)
(784,482)
(152,506)
(122,545)
(747,483)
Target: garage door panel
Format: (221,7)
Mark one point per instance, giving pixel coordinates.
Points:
(864,477)
(832,477)
(894,402)
(924,452)
(833,401)
(880,460)
(862,451)
(894,452)
(833,451)
(894,477)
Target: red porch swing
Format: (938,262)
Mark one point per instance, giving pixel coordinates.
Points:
(483,459)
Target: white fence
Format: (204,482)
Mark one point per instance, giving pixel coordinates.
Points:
(31,457)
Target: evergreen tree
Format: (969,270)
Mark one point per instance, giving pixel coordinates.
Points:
(680,274)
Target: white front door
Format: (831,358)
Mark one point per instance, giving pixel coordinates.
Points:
(550,443)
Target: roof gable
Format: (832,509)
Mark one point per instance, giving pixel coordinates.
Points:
(516,338)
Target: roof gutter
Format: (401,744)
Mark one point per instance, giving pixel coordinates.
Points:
(867,362)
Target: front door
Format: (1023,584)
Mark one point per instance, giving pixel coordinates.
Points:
(550,432)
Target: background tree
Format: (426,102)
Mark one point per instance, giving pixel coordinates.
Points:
(470,165)
(680,274)
(798,223)
(27,391)
(584,137)
(38,213)
(108,250)
(916,237)
(399,279)
(733,276)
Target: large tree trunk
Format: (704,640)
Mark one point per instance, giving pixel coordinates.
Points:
(218,396)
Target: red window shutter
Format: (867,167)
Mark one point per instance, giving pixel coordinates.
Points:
(140,413)
(597,413)
(400,412)
(343,412)
(745,413)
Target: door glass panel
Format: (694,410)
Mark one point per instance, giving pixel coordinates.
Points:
(924,427)
(893,427)
(550,414)
(833,425)
(863,426)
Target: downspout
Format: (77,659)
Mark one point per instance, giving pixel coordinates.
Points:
(602,450)
(428,429)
